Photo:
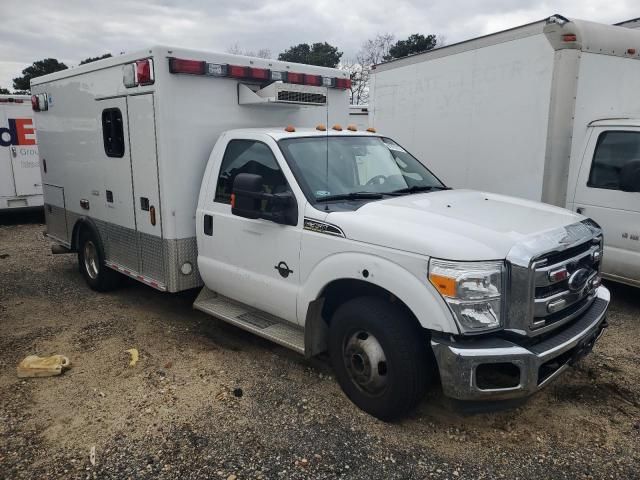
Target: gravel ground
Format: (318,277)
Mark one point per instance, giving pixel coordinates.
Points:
(207,400)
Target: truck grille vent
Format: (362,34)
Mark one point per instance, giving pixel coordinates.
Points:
(302,97)
(558,299)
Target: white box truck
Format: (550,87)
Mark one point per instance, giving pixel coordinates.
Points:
(188,169)
(548,111)
(20,183)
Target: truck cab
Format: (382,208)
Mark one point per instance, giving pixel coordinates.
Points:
(607,189)
(343,242)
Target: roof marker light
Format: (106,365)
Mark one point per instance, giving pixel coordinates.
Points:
(191,67)
(321,127)
(352,128)
(290,129)
(569,37)
(371,130)
(337,127)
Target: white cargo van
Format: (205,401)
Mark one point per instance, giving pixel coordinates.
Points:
(318,237)
(20,183)
(359,116)
(548,111)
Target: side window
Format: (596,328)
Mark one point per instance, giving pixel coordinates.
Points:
(113,132)
(249,156)
(613,151)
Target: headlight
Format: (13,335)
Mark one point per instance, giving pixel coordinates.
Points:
(473,291)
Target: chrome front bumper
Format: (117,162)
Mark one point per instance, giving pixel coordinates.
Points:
(538,364)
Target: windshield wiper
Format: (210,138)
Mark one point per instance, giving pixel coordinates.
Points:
(417,188)
(351,196)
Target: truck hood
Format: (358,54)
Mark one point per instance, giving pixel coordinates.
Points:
(451,224)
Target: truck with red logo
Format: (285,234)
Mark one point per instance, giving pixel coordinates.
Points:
(20,183)
(237,176)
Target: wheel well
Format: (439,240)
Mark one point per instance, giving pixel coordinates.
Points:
(341,291)
(77,228)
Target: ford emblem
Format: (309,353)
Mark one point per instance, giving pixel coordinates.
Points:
(578,279)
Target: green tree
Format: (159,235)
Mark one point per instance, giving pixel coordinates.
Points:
(321,54)
(38,69)
(416,43)
(94,59)
(4,91)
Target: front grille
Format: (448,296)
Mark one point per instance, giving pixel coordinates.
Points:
(302,97)
(565,283)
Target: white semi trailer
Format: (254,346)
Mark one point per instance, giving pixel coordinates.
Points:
(548,111)
(20,183)
(187,169)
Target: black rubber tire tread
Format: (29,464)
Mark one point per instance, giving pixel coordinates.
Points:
(410,367)
(107,279)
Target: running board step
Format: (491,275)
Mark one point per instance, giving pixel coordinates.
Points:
(250,319)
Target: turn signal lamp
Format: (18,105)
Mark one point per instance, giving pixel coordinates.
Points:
(445,285)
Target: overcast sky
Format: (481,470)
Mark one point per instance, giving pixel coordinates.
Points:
(71,30)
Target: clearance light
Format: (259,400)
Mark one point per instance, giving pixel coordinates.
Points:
(34,103)
(290,129)
(569,37)
(321,127)
(337,127)
(371,130)
(352,128)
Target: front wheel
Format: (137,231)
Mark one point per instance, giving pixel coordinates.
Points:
(380,356)
(91,261)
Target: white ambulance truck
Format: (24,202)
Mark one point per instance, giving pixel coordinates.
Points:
(548,111)
(187,169)
(20,183)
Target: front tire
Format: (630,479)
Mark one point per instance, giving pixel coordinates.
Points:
(91,261)
(380,356)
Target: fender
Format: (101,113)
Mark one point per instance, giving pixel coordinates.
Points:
(419,296)
(83,222)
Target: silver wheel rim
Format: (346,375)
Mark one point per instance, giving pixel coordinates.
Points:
(91,259)
(366,362)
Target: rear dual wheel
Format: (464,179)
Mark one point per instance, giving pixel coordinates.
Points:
(91,261)
(380,357)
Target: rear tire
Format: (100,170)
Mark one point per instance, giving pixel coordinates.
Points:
(91,261)
(380,356)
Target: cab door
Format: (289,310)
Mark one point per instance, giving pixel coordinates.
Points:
(253,261)
(598,195)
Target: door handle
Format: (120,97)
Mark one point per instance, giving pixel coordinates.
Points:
(208,225)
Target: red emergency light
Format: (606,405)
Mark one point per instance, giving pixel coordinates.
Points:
(144,71)
(197,67)
(191,67)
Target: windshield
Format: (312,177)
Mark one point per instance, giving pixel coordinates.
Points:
(343,167)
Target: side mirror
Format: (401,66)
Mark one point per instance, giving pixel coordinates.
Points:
(246,199)
(630,176)
(249,201)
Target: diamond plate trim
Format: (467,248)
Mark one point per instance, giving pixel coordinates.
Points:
(56,222)
(143,254)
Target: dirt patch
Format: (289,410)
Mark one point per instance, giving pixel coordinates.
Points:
(175,414)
